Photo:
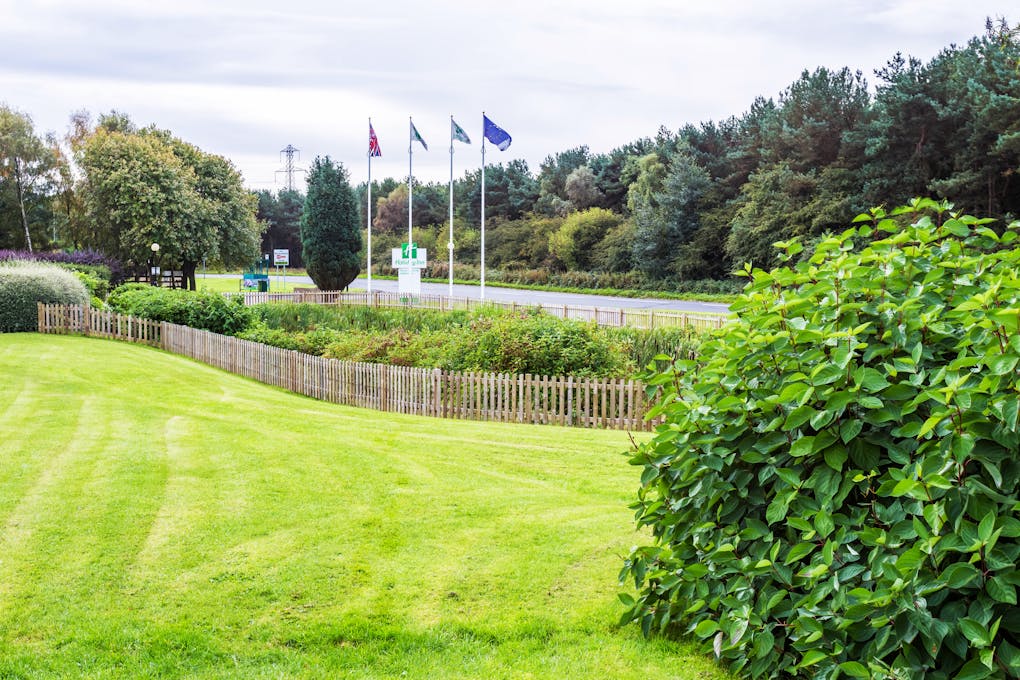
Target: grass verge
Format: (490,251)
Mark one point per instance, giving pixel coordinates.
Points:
(159,518)
(233,285)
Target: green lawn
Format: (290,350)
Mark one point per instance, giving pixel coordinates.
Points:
(159,518)
(233,285)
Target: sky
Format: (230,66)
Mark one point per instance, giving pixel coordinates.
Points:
(246,78)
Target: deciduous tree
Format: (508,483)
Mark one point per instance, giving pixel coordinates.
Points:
(573,244)
(144,187)
(27,166)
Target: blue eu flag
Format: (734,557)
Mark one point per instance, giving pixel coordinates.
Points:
(495,134)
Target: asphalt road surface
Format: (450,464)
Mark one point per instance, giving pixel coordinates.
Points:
(527,296)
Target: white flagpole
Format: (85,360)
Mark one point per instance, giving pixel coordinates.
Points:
(482,291)
(369,207)
(410,175)
(450,244)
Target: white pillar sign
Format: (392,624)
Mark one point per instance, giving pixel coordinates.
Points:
(409,260)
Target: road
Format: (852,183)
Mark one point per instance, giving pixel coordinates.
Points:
(500,294)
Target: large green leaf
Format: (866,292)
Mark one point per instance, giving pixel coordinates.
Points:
(1001,590)
(855,669)
(975,632)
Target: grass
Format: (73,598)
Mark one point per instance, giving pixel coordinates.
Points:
(233,285)
(159,518)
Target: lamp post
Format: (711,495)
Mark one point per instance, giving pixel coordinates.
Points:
(153,268)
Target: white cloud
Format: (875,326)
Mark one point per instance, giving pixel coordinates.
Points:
(244,79)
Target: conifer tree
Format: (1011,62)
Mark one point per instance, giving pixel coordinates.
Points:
(330,228)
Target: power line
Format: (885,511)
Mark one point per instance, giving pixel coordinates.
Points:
(289,168)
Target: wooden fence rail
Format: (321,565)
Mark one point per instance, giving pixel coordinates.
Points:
(603,316)
(580,402)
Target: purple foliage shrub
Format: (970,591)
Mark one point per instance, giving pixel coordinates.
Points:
(87,257)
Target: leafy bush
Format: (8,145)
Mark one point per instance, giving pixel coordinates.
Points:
(305,315)
(834,490)
(483,339)
(25,284)
(676,342)
(314,341)
(397,347)
(206,310)
(98,287)
(536,343)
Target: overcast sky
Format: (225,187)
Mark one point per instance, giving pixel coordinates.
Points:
(246,78)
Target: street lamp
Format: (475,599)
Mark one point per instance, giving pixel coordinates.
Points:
(153,269)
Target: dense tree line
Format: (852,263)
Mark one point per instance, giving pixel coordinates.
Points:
(685,205)
(698,202)
(281,213)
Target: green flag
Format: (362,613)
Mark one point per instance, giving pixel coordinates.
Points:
(457,132)
(415,137)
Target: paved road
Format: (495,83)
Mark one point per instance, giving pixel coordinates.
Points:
(526,296)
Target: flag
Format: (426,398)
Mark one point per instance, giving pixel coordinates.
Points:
(373,143)
(457,132)
(415,137)
(495,134)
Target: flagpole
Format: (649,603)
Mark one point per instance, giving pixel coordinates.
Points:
(368,209)
(450,244)
(410,176)
(482,291)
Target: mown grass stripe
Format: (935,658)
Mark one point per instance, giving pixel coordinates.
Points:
(197,524)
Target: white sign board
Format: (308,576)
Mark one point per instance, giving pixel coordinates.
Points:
(281,257)
(416,259)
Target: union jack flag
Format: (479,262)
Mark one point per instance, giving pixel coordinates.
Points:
(373,143)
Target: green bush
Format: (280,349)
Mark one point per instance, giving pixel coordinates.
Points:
(536,343)
(834,490)
(25,284)
(397,347)
(98,287)
(483,339)
(644,345)
(305,315)
(314,341)
(206,310)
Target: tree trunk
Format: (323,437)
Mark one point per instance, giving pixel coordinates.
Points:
(188,272)
(21,201)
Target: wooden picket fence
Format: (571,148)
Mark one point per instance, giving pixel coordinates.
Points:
(66,319)
(603,316)
(579,402)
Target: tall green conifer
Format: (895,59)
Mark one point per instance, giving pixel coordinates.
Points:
(330,228)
